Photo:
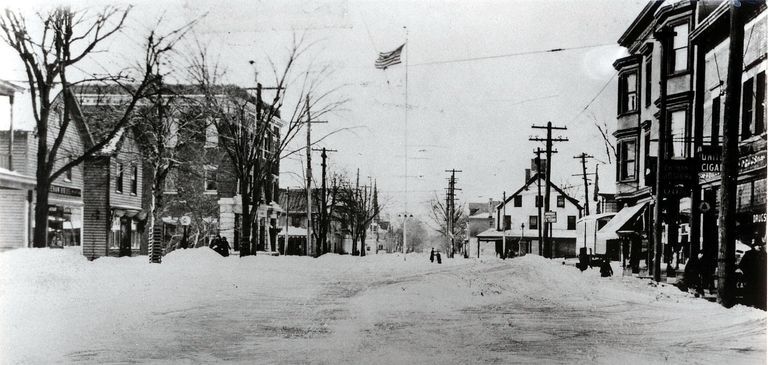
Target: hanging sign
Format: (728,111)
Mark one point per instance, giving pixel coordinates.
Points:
(185,220)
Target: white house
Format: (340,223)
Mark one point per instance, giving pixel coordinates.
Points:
(521,222)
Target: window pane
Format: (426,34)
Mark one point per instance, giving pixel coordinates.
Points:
(681,59)
(677,133)
(681,37)
(631,82)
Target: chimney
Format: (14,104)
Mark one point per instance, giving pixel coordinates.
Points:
(527,177)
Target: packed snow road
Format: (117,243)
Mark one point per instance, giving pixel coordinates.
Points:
(197,307)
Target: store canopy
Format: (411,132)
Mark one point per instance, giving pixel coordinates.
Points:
(620,222)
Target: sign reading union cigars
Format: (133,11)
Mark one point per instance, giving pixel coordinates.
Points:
(709,162)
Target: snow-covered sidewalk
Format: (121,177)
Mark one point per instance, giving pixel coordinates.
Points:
(57,307)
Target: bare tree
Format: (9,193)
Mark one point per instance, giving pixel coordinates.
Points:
(440,215)
(248,126)
(359,210)
(67,38)
(331,201)
(610,146)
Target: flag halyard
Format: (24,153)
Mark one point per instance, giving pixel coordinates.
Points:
(387,59)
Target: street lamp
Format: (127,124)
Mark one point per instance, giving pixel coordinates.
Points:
(522,229)
(405,237)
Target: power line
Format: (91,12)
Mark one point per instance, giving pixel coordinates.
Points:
(595,97)
(553,50)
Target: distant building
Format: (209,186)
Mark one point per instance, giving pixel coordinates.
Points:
(480,219)
(517,219)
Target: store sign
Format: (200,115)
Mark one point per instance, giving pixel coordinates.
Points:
(678,172)
(752,162)
(709,159)
(550,217)
(759,218)
(63,190)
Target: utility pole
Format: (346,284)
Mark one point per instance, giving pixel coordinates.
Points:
(549,140)
(323,246)
(584,174)
(729,169)
(503,224)
(451,208)
(538,196)
(663,36)
(310,246)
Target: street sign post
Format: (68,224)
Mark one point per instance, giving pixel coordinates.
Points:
(550,217)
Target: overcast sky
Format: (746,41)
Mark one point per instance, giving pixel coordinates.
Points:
(473,116)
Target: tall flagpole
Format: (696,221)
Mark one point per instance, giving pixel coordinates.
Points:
(405,149)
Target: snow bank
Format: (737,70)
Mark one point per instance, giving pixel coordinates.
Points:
(56,306)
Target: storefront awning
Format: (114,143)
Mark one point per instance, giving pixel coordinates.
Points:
(619,221)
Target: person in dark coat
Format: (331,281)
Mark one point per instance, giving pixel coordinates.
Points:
(214,245)
(753,265)
(605,268)
(432,255)
(439,261)
(224,244)
(583,259)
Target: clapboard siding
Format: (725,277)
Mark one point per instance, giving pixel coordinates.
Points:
(13,218)
(96,211)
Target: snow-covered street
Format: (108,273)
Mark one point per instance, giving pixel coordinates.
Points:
(197,307)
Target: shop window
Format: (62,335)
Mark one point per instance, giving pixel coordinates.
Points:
(518,201)
(627,161)
(677,120)
(679,54)
(561,201)
(533,222)
(119,178)
(135,236)
(648,79)
(134,179)
(628,93)
(571,222)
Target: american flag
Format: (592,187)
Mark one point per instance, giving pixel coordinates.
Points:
(387,59)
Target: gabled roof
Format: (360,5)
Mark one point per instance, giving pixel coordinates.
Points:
(530,181)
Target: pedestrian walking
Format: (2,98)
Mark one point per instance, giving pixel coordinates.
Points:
(432,255)
(439,260)
(605,268)
(583,259)
(224,244)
